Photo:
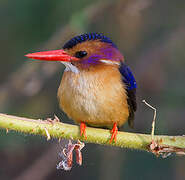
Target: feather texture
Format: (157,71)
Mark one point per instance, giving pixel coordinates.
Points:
(87,37)
(96,96)
(130,82)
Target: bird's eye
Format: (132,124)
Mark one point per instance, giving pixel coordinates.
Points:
(80,54)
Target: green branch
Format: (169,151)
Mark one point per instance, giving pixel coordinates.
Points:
(94,135)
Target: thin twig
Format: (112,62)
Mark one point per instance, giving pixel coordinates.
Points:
(156,146)
(154,118)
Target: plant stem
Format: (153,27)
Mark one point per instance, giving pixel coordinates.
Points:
(94,135)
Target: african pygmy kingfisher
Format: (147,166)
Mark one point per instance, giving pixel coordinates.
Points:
(97,87)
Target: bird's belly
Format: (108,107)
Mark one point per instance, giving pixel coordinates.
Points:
(95,101)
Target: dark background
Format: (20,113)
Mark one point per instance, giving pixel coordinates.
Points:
(151,35)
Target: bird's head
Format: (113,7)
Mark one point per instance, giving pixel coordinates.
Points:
(83,51)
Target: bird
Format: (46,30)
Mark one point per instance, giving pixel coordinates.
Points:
(97,88)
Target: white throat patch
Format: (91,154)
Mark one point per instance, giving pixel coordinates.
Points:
(70,67)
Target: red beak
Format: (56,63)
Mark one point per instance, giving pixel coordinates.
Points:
(54,55)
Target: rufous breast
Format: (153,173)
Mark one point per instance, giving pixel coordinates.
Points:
(94,96)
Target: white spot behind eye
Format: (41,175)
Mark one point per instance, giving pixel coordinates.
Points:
(109,62)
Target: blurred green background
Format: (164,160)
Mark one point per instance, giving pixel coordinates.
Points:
(151,35)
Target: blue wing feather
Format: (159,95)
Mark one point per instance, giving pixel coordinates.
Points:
(131,85)
(127,77)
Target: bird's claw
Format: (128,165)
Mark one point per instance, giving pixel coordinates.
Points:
(83,130)
(114,132)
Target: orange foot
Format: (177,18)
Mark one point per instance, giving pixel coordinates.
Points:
(114,132)
(82,129)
